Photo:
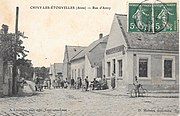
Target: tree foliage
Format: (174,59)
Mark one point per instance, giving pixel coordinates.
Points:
(12,49)
(11,45)
(41,72)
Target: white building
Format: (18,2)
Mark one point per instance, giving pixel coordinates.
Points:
(70,52)
(55,70)
(154,58)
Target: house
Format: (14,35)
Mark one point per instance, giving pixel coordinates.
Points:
(55,70)
(94,59)
(70,52)
(153,58)
(89,62)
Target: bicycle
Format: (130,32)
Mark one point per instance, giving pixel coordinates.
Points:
(142,92)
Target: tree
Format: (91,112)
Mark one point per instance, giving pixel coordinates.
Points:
(11,46)
(4,29)
(42,72)
(26,69)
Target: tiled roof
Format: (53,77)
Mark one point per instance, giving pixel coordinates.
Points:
(89,48)
(73,51)
(141,40)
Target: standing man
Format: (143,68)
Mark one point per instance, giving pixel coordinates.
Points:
(80,84)
(86,82)
(72,83)
(49,83)
(137,85)
(113,82)
(37,83)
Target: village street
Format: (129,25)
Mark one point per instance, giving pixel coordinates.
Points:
(67,102)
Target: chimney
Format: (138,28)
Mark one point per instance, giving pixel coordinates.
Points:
(100,35)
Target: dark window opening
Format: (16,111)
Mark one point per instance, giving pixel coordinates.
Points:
(167,68)
(120,68)
(109,69)
(143,67)
(114,66)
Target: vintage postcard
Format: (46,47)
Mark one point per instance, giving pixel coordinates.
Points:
(89,58)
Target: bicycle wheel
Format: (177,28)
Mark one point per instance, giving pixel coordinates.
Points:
(133,93)
(144,93)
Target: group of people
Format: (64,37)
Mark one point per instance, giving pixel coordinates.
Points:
(76,84)
(99,84)
(57,83)
(38,86)
(46,83)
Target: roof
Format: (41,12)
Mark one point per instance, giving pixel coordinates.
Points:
(90,47)
(95,57)
(141,40)
(73,50)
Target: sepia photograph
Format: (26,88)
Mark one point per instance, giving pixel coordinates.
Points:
(89,58)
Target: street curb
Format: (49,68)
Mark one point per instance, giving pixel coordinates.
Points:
(150,94)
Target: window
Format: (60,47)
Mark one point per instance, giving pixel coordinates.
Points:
(72,73)
(83,73)
(78,72)
(143,67)
(168,68)
(114,66)
(120,71)
(75,74)
(108,69)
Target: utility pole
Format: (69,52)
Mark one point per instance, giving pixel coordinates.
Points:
(14,85)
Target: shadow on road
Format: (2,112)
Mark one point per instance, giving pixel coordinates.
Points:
(107,94)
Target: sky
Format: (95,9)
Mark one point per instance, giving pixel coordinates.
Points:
(49,30)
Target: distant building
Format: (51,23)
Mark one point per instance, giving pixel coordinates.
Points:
(153,58)
(70,52)
(55,70)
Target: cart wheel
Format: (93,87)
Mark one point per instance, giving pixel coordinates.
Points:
(133,93)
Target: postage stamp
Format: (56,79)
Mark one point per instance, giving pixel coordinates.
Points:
(152,17)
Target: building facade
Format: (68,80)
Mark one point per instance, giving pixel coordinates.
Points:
(55,70)
(70,52)
(153,58)
(77,68)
